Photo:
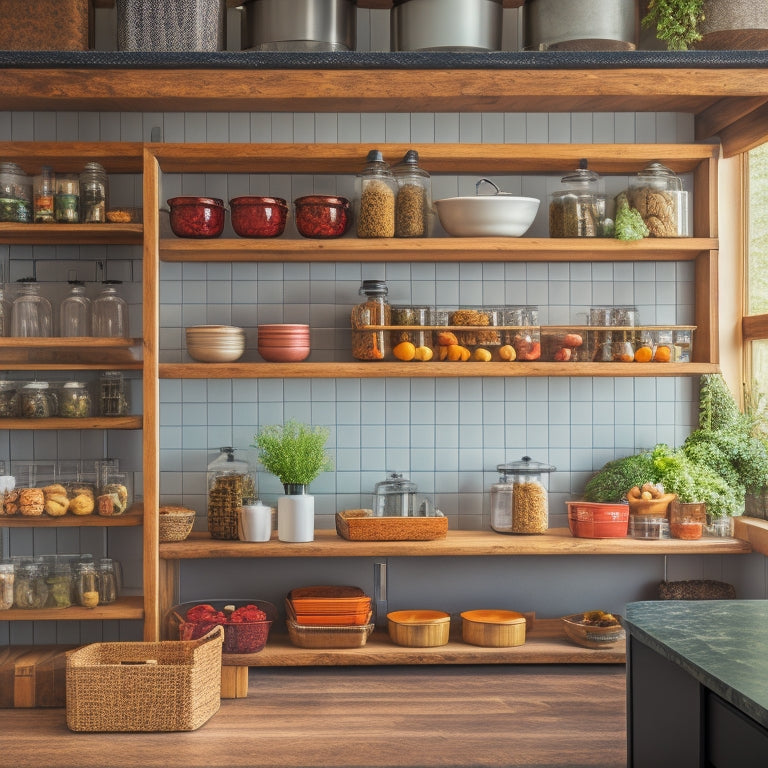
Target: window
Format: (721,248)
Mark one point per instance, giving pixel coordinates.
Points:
(756,320)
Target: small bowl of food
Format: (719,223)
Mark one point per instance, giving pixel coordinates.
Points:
(322,216)
(258,216)
(597,630)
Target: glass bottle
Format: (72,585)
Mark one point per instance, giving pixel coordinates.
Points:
(107,581)
(5,313)
(94,194)
(75,312)
(6,586)
(375,310)
(29,588)
(86,585)
(113,399)
(575,210)
(66,201)
(413,204)
(376,190)
(229,481)
(519,501)
(59,581)
(31,313)
(43,194)
(110,312)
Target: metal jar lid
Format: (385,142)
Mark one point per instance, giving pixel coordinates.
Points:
(395,483)
(526,466)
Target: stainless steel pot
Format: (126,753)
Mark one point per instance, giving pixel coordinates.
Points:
(300,25)
(580,25)
(446,25)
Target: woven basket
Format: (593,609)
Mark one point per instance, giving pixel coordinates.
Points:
(362,525)
(134,686)
(176,526)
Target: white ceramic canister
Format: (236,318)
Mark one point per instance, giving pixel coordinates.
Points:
(296,517)
(255,522)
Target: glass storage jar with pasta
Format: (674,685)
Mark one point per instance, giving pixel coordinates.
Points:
(519,501)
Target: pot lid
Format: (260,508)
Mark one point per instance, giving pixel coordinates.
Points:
(582,176)
(395,483)
(526,466)
(658,175)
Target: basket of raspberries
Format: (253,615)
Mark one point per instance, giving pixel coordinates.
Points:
(246,626)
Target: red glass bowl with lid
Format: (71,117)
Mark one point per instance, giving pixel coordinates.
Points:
(254,216)
(197,216)
(322,215)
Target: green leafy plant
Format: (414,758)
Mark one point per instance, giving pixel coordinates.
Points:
(294,452)
(629,224)
(676,22)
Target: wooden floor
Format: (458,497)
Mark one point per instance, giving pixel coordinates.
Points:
(327,717)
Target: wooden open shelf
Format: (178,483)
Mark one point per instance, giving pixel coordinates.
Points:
(442,249)
(132,518)
(75,350)
(546,643)
(71,234)
(90,422)
(122,608)
(556,541)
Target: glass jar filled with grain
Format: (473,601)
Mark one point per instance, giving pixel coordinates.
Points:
(376,192)
(413,204)
(578,209)
(229,481)
(519,501)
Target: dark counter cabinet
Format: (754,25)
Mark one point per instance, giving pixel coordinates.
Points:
(696,692)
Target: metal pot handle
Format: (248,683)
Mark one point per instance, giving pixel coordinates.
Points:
(487,181)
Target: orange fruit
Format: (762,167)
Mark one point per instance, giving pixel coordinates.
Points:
(507,352)
(423,354)
(481,355)
(643,354)
(404,351)
(663,354)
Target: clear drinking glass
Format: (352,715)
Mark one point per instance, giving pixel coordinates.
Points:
(31,312)
(75,312)
(110,312)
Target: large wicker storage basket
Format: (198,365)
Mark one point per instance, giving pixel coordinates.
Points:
(164,686)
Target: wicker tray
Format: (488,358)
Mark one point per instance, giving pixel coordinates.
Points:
(134,686)
(361,525)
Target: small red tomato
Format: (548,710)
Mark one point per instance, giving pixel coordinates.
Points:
(562,355)
(572,340)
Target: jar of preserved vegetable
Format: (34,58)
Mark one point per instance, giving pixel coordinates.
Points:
(29,588)
(74,400)
(37,400)
(59,581)
(94,194)
(658,195)
(15,194)
(413,204)
(66,201)
(43,189)
(9,399)
(519,502)
(6,586)
(375,310)
(86,584)
(376,191)
(229,481)
(577,210)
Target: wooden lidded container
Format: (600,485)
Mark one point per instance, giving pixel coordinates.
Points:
(418,628)
(46,25)
(493,628)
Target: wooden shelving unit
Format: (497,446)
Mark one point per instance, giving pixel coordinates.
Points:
(132,518)
(122,608)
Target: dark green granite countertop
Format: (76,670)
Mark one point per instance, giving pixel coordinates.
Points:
(722,643)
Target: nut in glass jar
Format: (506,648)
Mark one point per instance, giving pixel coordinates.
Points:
(74,400)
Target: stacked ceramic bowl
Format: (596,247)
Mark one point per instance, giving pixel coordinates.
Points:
(284,342)
(215,343)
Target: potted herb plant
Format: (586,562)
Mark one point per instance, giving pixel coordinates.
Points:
(295,453)
(708,24)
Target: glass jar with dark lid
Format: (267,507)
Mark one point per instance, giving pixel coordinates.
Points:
(371,343)
(519,501)
(578,209)
(658,195)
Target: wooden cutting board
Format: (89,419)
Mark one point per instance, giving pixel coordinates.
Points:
(33,675)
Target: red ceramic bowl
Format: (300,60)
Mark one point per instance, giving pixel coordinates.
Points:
(197,216)
(258,216)
(593,520)
(284,354)
(322,215)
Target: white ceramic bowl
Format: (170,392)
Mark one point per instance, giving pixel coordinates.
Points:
(487,215)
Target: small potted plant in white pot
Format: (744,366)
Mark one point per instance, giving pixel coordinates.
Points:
(295,453)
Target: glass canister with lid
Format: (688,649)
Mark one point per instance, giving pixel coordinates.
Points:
(6,585)
(229,480)
(519,501)
(10,407)
(94,194)
(376,191)
(15,194)
(578,209)
(413,204)
(38,400)
(75,400)
(658,195)
(394,497)
(375,310)
(31,312)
